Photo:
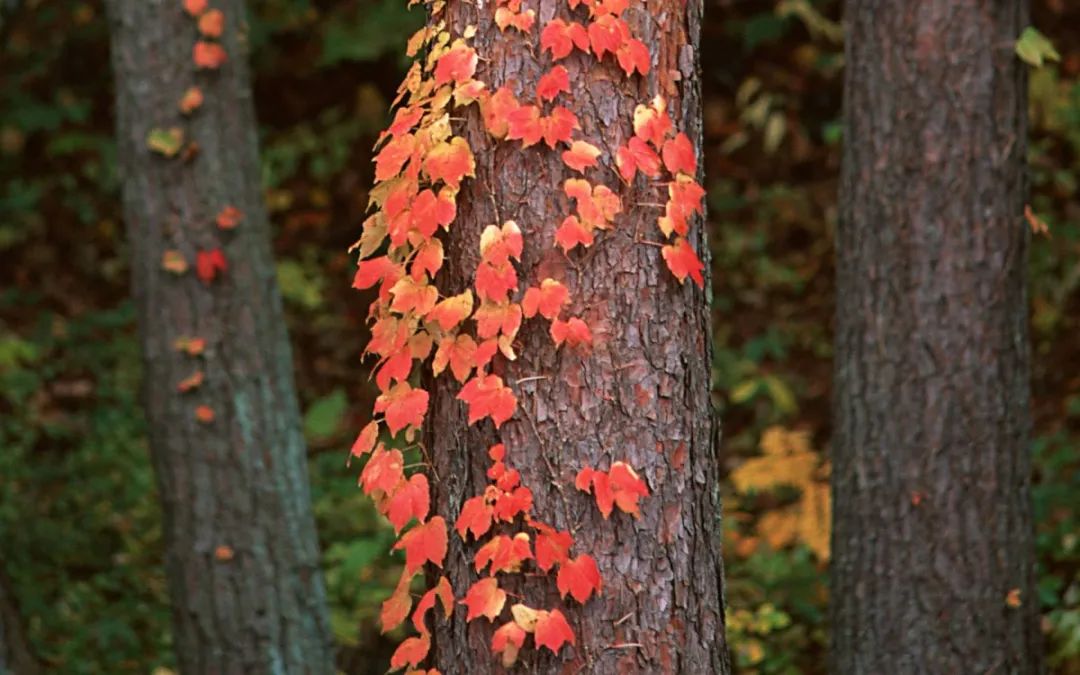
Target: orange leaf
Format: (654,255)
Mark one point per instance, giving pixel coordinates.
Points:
(212,23)
(581,156)
(679,156)
(392,157)
(683,261)
(486,396)
(552,630)
(579,577)
(606,34)
(503,553)
(193,381)
(508,640)
(365,441)
(208,55)
(428,260)
(443,592)
(204,414)
(411,296)
(523,124)
(208,264)
(495,281)
(458,64)
(459,353)
(547,300)
(173,261)
(496,111)
(561,37)
(194,7)
(452,311)
(369,272)
(411,652)
(552,546)
(633,55)
(558,126)
(627,487)
(192,100)
(383,470)
(523,21)
(484,598)
(397,606)
(475,517)
(636,154)
(574,332)
(450,162)
(499,244)
(512,502)
(492,318)
(229,217)
(424,543)
(573,232)
(403,405)
(410,500)
(652,122)
(552,82)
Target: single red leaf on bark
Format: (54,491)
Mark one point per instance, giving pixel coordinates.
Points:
(496,111)
(547,300)
(652,122)
(505,554)
(383,471)
(229,217)
(484,598)
(573,332)
(458,64)
(512,502)
(581,156)
(212,23)
(424,543)
(412,499)
(558,126)
(403,406)
(523,124)
(499,244)
(606,34)
(633,55)
(679,156)
(560,38)
(411,652)
(552,630)
(204,414)
(209,264)
(457,352)
(208,55)
(495,281)
(580,577)
(684,200)
(573,232)
(627,487)
(552,83)
(552,546)
(508,640)
(475,517)
(486,396)
(683,261)
(635,155)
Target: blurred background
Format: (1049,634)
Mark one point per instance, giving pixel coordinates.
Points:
(80,532)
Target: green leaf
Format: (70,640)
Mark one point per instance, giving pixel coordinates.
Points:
(165,142)
(1034,48)
(325,415)
(744,391)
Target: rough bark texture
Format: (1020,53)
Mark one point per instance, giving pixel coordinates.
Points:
(240,482)
(641,395)
(16,656)
(931,470)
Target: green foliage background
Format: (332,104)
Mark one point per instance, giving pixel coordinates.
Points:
(80,530)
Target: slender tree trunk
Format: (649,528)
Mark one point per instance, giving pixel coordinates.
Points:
(242,555)
(641,395)
(933,566)
(16,656)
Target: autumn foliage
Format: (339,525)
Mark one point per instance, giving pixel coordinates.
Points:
(420,166)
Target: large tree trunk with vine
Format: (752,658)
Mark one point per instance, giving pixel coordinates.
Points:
(641,395)
(242,554)
(933,565)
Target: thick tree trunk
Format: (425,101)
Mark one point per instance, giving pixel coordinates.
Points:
(932,542)
(16,655)
(641,395)
(242,555)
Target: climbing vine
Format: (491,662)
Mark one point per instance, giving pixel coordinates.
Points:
(420,166)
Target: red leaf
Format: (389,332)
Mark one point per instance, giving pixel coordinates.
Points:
(444,593)
(683,261)
(383,471)
(411,652)
(636,154)
(369,272)
(558,126)
(459,353)
(208,264)
(475,517)
(499,244)
(684,200)
(191,101)
(410,500)
(424,543)
(579,577)
(561,37)
(212,23)
(581,156)
(194,7)
(552,82)
(208,55)
(523,124)
(552,630)
(508,640)
(404,406)
(229,217)
(484,598)
(486,396)
(547,300)
(492,318)
(452,311)
(573,232)
(413,297)
(397,606)
(496,111)
(574,332)
(652,122)
(679,155)
(552,546)
(193,381)
(495,281)
(450,162)
(366,440)
(457,64)
(392,157)
(627,487)
(428,261)
(633,55)
(503,553)
(516,501)
(204,414)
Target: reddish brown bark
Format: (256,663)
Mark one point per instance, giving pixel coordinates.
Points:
(641,395)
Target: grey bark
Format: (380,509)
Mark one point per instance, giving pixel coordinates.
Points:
(931,457)
(242,555)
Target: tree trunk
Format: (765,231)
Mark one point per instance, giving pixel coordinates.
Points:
(242,555)
(16,656)
(933,561)
(642,395)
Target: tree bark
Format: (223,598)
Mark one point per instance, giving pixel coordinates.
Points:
(242,554)
(932,539)
(642,395)
(16,655)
